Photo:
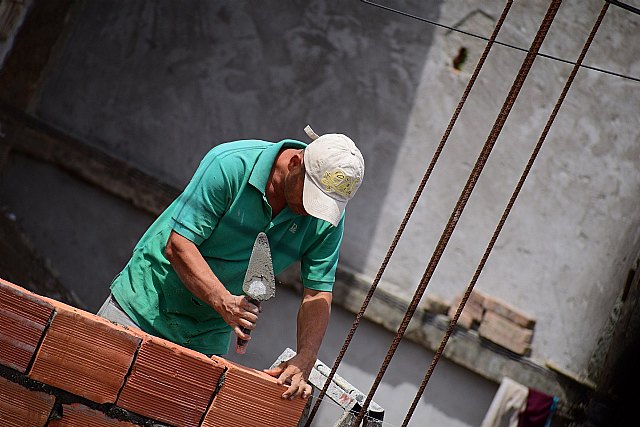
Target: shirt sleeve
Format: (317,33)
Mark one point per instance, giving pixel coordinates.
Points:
(320,260)
(205,199)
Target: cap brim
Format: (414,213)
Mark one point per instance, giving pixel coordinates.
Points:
(320,205)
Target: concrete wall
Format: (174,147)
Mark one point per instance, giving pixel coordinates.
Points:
(564,254)
(86,234)
(159,83)
(13,14)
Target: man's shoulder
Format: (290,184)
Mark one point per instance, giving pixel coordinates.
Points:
(242,155)
(255,144)
(241,147)
(236,155)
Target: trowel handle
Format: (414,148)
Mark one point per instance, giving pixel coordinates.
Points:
(241,345)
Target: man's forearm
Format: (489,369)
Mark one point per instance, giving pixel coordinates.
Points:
(193,270)
(313,318)
(201,281)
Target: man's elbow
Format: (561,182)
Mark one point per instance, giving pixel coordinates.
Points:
(317,299)
(172,248)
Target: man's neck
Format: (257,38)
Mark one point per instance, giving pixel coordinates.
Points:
(275,184)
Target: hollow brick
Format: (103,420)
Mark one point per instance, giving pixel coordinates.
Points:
(170,383)
(78,415)
(21,407)
(251,398)
(85,354)
(23,318)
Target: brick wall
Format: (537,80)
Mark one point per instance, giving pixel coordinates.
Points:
(61,366)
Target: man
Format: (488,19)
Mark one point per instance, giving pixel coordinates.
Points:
(184,279)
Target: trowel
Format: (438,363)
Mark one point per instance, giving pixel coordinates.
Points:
(259,281)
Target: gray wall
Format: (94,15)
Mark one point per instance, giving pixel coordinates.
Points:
(16,10)
(159,83)
(86,234)
(564,253)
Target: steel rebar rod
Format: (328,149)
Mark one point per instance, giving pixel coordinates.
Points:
(506,213)
(464,197)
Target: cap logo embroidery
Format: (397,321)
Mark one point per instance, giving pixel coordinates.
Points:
(339,182)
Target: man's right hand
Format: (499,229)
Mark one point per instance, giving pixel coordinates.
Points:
(197,276)
(239,313)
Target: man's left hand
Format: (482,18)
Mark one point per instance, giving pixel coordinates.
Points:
(294,373)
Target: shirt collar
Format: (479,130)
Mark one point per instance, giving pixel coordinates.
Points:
(262,169)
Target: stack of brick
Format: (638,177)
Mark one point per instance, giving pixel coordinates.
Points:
(471,315)
(507,326)
(496,321)
(61,366)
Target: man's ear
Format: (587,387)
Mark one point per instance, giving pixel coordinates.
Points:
(296,160)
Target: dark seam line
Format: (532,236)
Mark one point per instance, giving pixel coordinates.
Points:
(37,349)
(128,374)
(219,385)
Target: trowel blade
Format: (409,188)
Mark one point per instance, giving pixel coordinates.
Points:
(259,281)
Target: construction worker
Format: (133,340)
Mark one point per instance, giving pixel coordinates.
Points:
(184,279)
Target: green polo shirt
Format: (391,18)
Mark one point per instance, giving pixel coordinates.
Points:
(222,210)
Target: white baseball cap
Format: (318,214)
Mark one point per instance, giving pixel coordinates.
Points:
(334,169)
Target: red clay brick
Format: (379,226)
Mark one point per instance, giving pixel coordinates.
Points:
(23,317)
(505,333)
(434,304)
(466,320)
(78,415)
(510,312)
(21,407)
(472,313)
(84,354)
(170,383)
(251,398)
